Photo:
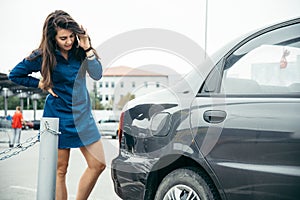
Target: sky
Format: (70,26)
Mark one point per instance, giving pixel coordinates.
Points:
(21,23)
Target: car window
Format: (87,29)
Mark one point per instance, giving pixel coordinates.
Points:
(267,69)
(267,62)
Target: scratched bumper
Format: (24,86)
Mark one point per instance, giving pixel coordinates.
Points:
(129,175)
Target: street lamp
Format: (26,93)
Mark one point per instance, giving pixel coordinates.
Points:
(22,96)
(6,93)
(35,97)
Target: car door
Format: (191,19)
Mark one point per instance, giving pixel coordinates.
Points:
(245,118)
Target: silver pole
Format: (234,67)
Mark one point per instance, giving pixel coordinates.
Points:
(22,104)
(47,159)
(35,97)
(5,91)
(34,109)
(206,16)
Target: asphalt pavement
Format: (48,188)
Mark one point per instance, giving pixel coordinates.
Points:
(19,173)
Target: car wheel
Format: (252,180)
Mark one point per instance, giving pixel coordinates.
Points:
(185,184)
(115,136)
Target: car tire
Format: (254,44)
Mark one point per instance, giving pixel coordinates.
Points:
(181,183)
(115,136)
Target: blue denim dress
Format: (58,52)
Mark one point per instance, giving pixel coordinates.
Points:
(72,106)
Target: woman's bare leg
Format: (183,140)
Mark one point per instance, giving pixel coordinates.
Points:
(62,165)
(94,156)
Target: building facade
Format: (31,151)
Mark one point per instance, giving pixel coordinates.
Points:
(120,84)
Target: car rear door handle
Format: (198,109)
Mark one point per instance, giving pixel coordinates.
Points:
(214,116)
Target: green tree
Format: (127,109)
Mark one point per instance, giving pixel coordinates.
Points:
(14,101)
(122,102)
(96,104)
(2,102)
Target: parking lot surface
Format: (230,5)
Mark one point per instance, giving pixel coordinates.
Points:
(19,173)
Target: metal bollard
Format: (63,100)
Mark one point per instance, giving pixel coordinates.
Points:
(47,158)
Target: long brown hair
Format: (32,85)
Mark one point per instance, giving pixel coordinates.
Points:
(47,47)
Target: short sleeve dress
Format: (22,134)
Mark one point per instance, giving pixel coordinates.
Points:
(72,106)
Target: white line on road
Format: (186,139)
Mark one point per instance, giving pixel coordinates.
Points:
(23,188)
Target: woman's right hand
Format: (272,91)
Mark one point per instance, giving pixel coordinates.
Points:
(41,84)
(51,92)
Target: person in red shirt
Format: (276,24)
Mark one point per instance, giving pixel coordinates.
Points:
(17,121)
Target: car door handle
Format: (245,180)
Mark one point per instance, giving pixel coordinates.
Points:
(214,116)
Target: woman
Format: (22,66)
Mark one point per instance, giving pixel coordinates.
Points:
(64,57)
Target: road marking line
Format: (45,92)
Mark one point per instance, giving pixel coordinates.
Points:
(23,188)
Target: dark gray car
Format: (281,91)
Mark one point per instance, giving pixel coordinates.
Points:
(229,130)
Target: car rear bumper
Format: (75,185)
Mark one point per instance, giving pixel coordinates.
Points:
(129,176)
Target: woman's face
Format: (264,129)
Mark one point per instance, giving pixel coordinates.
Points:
(64,39)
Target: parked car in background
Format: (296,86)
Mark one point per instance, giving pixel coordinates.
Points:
(108,127)
(27,125)
(229,130)
(4,123)
(36,124)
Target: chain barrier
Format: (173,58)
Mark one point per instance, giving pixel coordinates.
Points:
(10,152)
(50,130)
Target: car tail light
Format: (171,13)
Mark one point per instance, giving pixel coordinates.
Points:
(121,125)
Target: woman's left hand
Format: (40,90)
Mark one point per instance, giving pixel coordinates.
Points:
(84,41)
